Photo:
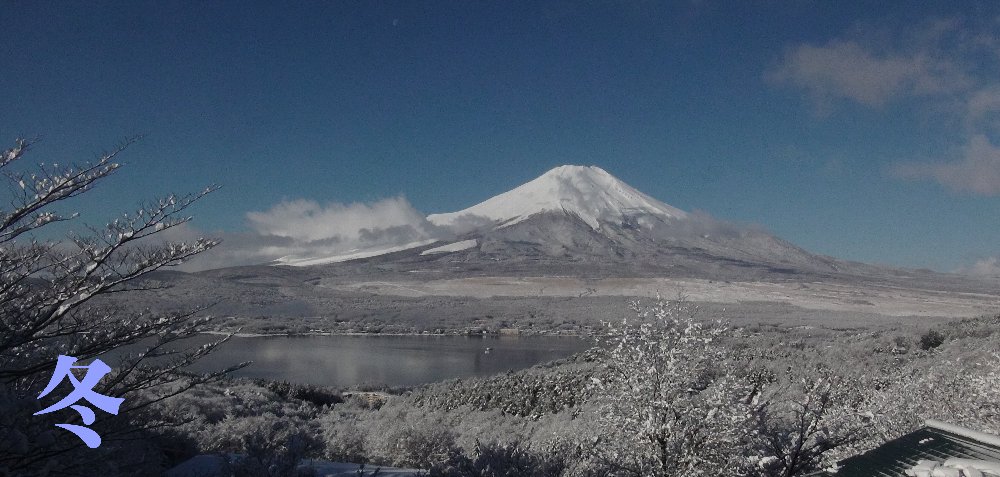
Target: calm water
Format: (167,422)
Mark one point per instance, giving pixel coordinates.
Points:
(391,360)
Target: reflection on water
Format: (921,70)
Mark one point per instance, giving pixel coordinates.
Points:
(391,360)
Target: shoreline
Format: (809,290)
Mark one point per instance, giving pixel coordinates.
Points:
(334,333)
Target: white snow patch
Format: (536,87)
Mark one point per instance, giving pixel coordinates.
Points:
(349,255)
(587,192)
(452,247)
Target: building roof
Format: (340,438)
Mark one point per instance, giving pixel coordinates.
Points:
(937,441)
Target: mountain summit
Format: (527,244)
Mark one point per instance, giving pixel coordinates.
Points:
(587,192)
(584,216)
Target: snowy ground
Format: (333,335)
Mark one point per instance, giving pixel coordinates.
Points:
(885,300)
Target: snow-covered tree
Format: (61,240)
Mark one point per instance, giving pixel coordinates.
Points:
(806,414)
(672,403)
(959,384)
(53,302)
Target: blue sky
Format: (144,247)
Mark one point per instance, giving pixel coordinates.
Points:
(868,131)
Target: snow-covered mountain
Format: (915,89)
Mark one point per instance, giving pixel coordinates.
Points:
(583,216)
(573,232)
(589,193)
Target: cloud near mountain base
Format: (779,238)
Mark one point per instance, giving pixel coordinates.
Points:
(305,228)
(987,267)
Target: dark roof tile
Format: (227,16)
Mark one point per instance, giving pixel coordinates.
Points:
(937,441)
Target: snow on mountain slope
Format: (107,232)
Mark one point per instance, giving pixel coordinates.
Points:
(585,213)
(349,255)
(452,247)
(587,192)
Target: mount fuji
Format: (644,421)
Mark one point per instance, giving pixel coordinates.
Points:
(583,217)
(559,253)
(589,193)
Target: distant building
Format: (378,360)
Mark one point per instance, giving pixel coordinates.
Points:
(937,449)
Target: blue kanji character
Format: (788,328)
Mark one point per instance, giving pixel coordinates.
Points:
(82,389)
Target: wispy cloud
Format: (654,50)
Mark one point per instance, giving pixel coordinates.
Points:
(307,229)
(982,109)
(846,70)
(976,171)
(948,65)
(236,248)
(309,221)
(987,267)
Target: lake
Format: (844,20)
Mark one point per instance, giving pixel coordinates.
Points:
(343,361)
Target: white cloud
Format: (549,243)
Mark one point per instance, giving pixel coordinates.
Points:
(938,58)
(983,109)
(977,170)
(987,267)
(947,67)
(307,229)
(844,69)
(236,248)
(308,221)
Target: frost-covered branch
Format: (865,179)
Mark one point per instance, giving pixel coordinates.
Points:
(65,297)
